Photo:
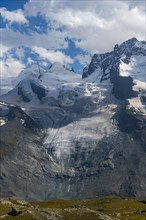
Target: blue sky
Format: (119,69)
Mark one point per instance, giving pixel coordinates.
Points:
(13,4)
(69,32)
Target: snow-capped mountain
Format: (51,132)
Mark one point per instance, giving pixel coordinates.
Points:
(35,85)
(125,68)
(111,60)
(64,136)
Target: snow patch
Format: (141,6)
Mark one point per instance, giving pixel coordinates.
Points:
(2,122)
(22,121)
(136,68)
(137,105)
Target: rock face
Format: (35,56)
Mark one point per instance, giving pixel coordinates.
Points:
(76,138)
(14,212)
(110,65)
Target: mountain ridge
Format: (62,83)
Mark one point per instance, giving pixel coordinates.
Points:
(88,140)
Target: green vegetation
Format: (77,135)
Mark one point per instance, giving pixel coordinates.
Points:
(108,208)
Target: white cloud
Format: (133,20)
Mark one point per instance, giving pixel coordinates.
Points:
(132,20)
(95,25)
(3,50)
(20,52)
(83,59)
(13,16)
(10,67)
(52,56)
(52,40)
(80,19)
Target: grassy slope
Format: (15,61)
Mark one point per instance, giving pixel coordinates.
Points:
(95,209)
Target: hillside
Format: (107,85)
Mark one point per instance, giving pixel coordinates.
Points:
(108,208)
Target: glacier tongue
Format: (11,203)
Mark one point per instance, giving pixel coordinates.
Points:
(87,116)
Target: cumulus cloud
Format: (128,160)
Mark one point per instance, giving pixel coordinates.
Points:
(20,52)
(80,19)
(83,59)
(52,40)
(3,49)
(52,56)
(13,16)
(94,25)
(10,67)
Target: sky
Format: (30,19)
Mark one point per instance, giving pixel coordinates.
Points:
(43,32)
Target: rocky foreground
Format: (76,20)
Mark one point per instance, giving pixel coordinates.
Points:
(108,208)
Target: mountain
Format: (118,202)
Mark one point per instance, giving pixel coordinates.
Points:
(124,66)
(34,85)
(72,138)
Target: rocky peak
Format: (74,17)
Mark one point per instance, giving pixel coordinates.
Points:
(109,66)
(98,61)
(127,49)
(130,47)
